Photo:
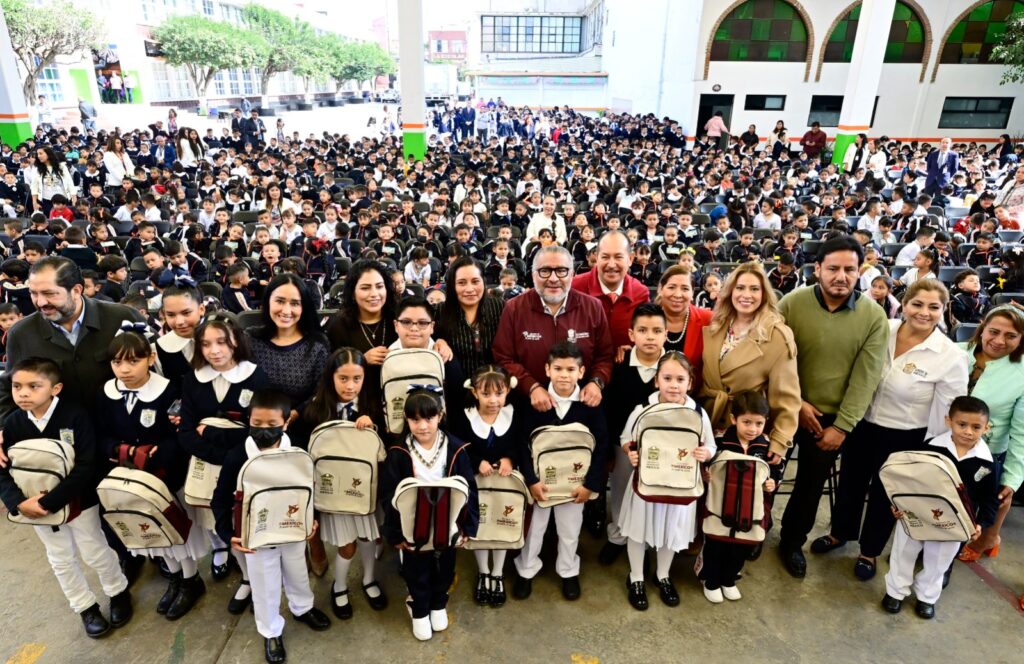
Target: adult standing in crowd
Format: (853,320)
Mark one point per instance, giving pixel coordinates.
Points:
(942,164)
(685,320)
(88,114)
(748,346)
(1011,196)
(841,339)
(116,87)
(779,140)
(469,317)
(610,282)
(549,313)
(813,141)
(924,371)
(717,132)
(857,154)
(996,376)
(117,162)
(52,179)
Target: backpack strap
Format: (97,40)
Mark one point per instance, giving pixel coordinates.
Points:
(424,514)
(443,520)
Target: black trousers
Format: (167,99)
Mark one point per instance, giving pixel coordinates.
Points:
(864,452)
(723,562)
(812,469)
(428,575)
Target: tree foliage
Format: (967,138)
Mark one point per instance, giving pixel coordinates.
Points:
(1010,51)
(41,33)
(314,61)
(285,40)
(204,47)
(359,61)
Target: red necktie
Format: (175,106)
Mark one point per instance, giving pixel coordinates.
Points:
(613,297)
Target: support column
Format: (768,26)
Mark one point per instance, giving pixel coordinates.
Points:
(410,71)
(865,73)
(15,124)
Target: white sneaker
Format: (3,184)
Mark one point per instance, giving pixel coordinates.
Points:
(713,596)
(731,593)
(439,620)
(421,629)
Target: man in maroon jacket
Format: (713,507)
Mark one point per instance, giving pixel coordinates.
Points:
(611,284)
(538,319)
(813,142)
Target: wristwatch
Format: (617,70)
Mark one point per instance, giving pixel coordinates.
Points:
(597,381)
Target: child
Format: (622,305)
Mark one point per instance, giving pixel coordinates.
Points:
(969,301)
(710,285)
(182,310)
(491,428)
(428,453)
(722,560)
(237,297)
(221,384)
(76,249)
(710,251)
(35,384)
(132,411)
(968,421)
(14,285)
(564,368)
(271,567)
(926,266)
(341,395)
(146,238)
(881,292)
(631,384)
(417,270)
(642,268)
(115,270)
(666,528)
(745,250)
(9,315)
(60,209)
(984,252)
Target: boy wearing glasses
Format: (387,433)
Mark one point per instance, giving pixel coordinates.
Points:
(414,323)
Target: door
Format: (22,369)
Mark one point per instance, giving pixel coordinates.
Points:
(711,104)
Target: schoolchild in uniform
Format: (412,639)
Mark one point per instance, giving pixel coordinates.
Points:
(273,567)
(564,369)
(492,429)
(414,326)
(131,411)
(968,421)
(428,453)
(723,561)
(666,528)
(221,384)
(341,395)
(183,310)
(35,386)
(631,384)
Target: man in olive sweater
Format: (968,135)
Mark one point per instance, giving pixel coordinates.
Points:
(842,340)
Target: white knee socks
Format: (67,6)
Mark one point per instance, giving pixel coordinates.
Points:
(189,568)
(482,560)
(367,552)
(341,566)
(635,551)
(665,556)
(172,565)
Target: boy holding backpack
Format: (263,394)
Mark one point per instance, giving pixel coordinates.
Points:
(269,567)
(968,421)
(41,414)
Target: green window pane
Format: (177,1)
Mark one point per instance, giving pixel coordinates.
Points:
(1018,9)
(855,13)
(723,32)
(761,31)
(902,13)
(746,10)
(982,13)
(778,52)
(799,31)
(839,34)
(848,53)
(894,52)
(783,10)
(915,32)
(994,31)
(957,35)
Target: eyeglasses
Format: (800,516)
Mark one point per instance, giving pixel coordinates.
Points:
(415,324)
(546,272)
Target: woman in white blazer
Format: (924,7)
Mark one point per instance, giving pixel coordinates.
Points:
(117,162)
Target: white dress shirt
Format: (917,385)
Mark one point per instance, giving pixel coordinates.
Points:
(562,403)
(45,419)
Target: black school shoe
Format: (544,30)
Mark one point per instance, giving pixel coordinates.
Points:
(121,608)
(189,593)
(237,606)
(341,612)
(220,572)
(925,610)
(94,622)
(637,594)
(794,561)
(482,595)
(668,593)
(378,603)
(497,591)
(173,586)
(571,588)
(315,619)
(891,604)
(824,544)
(522,587)
(864,569)
(273,650)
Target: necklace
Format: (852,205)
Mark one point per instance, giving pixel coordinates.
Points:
(438,449)
(682,333)
(370,332)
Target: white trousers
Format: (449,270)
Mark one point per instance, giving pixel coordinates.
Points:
(926,584)
(568,521)
(268,569)
(84,536)
(620,479)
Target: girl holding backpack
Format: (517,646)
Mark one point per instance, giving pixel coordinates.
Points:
(341,395)
(667,528)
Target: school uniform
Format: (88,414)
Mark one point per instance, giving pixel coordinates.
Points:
(783,283)
(977,470)
(968,307)
(339,530)
(136,247)
(19,295)
(568,516)
(742,254)
(237,300)
(83,534)
(428,575)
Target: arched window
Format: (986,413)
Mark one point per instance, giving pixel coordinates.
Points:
(971,41)
(906,41)
(761,30)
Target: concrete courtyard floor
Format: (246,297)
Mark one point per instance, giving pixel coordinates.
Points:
(827,617)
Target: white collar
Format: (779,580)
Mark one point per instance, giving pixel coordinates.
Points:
(656,398)
(172,343)
(945,441)
(643,369)
(236,374)
(340,406)
(936,341)
(575,396)
(251,450)
(45,419)
(397,345)
(150,391)
(483,429)
(606,290)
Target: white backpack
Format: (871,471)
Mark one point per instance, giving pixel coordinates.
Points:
(504,503)
(429,511)
(347,462)
(141,510)
(926,487)
(201,480)
(402,368)
(735,500)
(561,458)
(274,503)
(37,465)
(666,434)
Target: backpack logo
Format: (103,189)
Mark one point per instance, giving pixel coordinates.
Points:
(653,454)
(261,520)
(936,514)
(123,527)
(143,527)
(292,509)
(550,475)
(681,454)
(354,491)
(356,482)
(327,483)
(508,510)
(398,406)
(576,467)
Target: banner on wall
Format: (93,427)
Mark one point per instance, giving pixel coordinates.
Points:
(575,80)
(509,81)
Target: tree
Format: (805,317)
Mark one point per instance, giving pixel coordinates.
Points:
(40,34)
(314,61)
(358,61)
(285,40)
(204,47)
(1010,51)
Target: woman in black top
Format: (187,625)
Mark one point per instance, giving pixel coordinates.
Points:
(469,320)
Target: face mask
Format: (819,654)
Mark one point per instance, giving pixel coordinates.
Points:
(265,437)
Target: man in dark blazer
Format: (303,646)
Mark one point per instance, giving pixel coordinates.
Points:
(942,166)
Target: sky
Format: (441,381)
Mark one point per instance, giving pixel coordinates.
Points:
(360,14)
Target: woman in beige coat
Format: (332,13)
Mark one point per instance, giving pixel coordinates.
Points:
(747,346)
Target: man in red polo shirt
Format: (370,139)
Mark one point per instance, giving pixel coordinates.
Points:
(618,292)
